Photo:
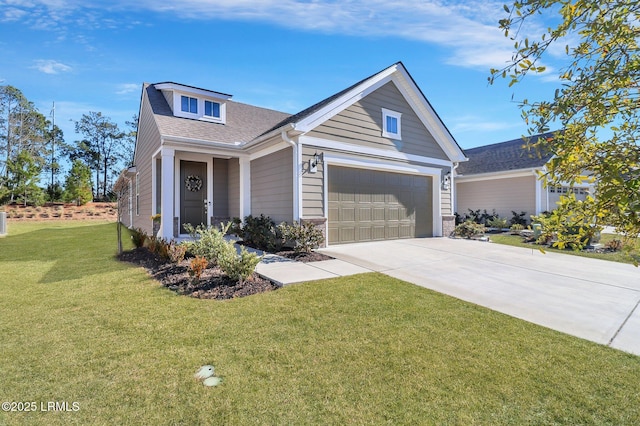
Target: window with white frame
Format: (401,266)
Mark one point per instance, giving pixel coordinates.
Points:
(391,124)
(212,109)
(189,104)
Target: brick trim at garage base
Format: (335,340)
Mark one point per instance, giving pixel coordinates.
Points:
(448,225)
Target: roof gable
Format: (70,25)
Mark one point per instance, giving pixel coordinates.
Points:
(516,154)
(312,117)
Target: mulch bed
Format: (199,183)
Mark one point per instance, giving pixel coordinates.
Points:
(213,283)
(304,257)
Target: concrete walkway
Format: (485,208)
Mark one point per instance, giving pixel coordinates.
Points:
(593,299)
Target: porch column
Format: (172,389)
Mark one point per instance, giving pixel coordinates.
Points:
(167,188)
(245,187)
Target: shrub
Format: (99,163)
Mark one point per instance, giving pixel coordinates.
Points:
(518,218)
(516,228)
(261,233)
(497,222)
(138,236)
(158,246)
(208,242)
(469,229)
(176,252)
(237,266)
(565,231)
(614,245)
(197,266)
(236,227)
(306,237)
(481,218)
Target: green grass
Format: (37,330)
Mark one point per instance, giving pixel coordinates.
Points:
(78,326)
(621,256)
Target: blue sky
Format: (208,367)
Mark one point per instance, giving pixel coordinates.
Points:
(280,54)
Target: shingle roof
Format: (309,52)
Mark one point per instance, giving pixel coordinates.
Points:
(516,154)
(244,122)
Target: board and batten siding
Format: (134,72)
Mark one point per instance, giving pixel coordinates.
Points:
(312,186)
(504,195)
(361,124)
(272,186)
(233,196)
(220,188)
(148,144)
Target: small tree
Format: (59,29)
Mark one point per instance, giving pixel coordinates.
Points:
(24,177)
(78,184)
(121,190)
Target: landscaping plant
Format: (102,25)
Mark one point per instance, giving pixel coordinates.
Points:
(208,242)
(197,265)
(261,233)
(237,266)
(138,236)
(469,229)
(305,236)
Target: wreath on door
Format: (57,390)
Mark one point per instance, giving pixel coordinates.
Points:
(193,183)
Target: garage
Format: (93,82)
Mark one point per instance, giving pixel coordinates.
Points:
(370,205)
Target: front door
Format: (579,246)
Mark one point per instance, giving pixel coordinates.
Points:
(193,194)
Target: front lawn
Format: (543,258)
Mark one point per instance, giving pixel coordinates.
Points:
(619,256)
(77,326)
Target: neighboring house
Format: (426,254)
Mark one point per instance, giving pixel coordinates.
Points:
(508,176)
(371,162)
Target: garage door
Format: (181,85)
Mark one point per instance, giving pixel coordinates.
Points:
(368,205)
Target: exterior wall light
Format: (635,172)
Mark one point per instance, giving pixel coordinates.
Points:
(315,161)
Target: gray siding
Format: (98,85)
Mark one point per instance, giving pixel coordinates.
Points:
(312,186)
(446,204)
(220,188)
(361,124)
(168,95)
(503,195)
(233,200)
(148,143)
(272,186)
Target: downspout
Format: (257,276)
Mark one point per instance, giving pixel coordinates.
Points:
(296,172)
(454,199)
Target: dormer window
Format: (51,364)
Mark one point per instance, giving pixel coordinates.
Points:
(391,124)
(189,104)
(194,103)
(212,109)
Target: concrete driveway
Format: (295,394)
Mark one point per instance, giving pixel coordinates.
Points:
(589,298)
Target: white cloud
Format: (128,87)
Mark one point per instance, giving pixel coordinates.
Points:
(126,88)
(467,28)
(50,66)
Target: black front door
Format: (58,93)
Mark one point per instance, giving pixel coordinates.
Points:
(193,194)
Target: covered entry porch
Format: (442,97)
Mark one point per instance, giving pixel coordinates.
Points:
(197,188)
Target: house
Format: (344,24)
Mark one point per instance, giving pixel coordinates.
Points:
(507,177)
(371,162)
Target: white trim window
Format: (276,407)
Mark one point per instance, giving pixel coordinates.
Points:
(212,109)
(188,104)
(391,124)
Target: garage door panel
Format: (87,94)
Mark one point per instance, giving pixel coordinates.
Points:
(368,205)
(393,214)
(378,232)
(364,214)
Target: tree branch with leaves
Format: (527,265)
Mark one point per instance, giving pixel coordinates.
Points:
(597,103)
